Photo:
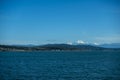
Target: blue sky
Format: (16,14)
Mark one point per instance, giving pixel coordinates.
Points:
(59,21)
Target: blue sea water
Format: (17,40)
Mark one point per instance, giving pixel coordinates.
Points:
(66,65)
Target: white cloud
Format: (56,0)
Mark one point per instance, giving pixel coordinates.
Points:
(80,42)
(70,43)
(96,43)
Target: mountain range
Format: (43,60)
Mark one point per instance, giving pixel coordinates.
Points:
(55,47)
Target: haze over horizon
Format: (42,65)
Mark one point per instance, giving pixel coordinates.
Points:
(59,21)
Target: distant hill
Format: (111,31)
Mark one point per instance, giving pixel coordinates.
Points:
(69,47)
(54,47)
(112,45)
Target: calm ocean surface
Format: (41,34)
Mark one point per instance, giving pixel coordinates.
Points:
(86,65)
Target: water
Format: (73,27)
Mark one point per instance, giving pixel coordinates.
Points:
(94,65)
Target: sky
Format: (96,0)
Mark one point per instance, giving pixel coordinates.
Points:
(59,21)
